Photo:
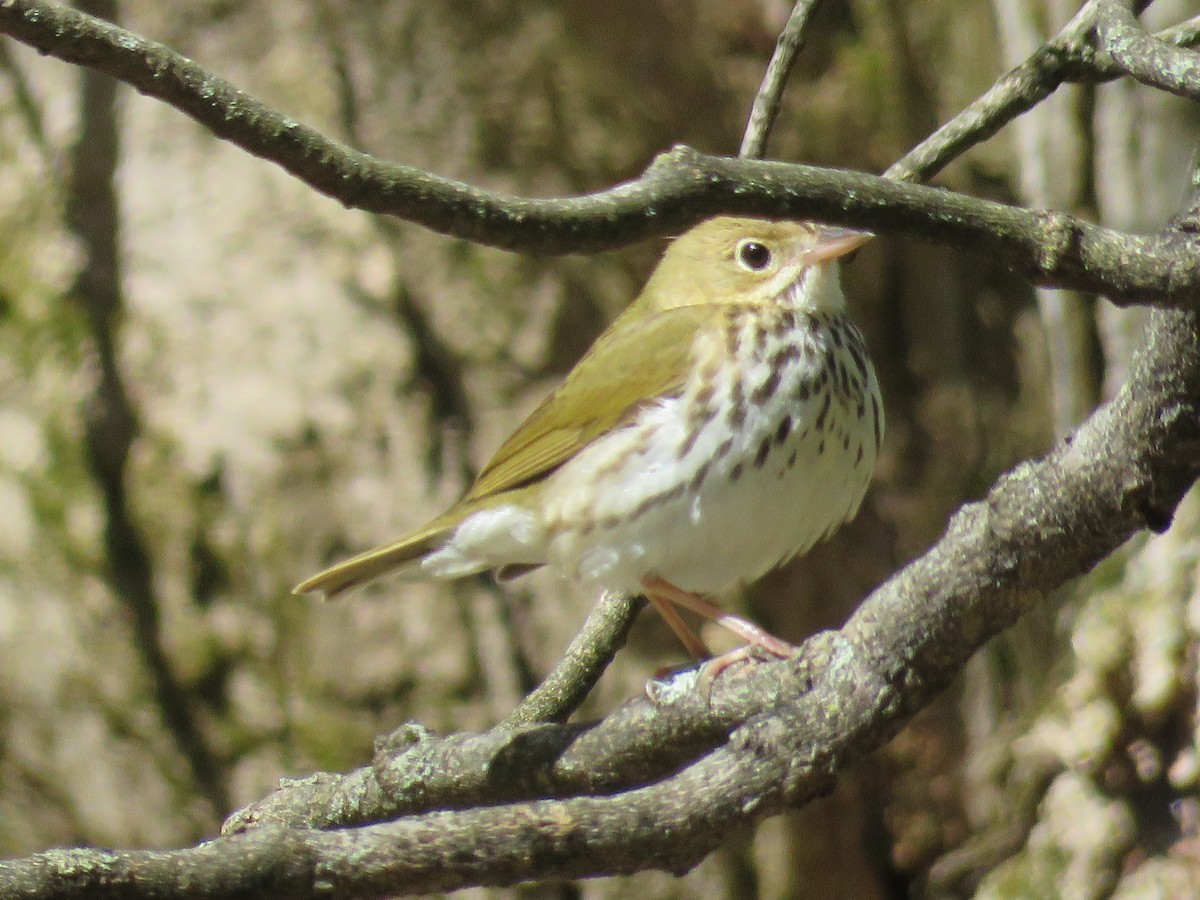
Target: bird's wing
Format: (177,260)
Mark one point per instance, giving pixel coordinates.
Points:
(638,360)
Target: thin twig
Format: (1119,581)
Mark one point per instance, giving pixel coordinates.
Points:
(1185,34)
(1067,57)
(585,659)
(766,103)
(27,104)
(1016,92)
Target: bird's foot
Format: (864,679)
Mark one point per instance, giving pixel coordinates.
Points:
(747,653)
(665,597)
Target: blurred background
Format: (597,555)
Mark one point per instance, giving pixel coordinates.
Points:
(214,381)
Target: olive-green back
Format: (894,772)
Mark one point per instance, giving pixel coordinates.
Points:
(641,358)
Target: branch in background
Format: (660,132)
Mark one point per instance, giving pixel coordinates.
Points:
(1048,159)
(498,657)
(111,422)
(27,104)
(1016,92)
(1150,60)
(1067,57)
(680,188)
(1185,34)
(766,103)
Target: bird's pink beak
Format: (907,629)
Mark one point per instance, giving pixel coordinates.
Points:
(833,242)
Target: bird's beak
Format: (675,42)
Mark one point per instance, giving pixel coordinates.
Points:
(833,242)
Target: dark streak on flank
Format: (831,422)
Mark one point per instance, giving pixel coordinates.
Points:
(761,393)
(788,353)
(760,338)
(843,382)
(655,499)
(824,411)
(732,332)
(764,450)
(784,429)
(860,360)
(689,440)
(875,422)
(737,408)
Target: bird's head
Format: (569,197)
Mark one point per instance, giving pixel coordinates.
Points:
(743,260)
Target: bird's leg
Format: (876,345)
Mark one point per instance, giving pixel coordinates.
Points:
(662,594)
(666,608)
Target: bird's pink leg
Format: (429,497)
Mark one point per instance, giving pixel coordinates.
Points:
(665,608)
(659,590)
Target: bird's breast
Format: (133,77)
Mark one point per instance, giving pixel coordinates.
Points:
(768,448)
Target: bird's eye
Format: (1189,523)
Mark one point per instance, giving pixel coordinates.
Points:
(753,255)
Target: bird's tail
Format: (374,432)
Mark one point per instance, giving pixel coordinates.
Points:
(394,557)
(504,538)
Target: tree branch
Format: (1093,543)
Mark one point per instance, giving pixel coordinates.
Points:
(766,102)
(1017,91)
(1150,60)
(1068,57)
(680,188)
(790,724)
(582,663)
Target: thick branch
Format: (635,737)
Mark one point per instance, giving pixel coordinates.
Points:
(1044,523)
(679,189)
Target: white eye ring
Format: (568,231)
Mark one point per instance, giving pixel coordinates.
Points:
(753,255)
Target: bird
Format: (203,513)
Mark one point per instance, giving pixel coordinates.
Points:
(725,422)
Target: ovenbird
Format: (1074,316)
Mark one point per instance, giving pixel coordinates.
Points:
(725,422)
